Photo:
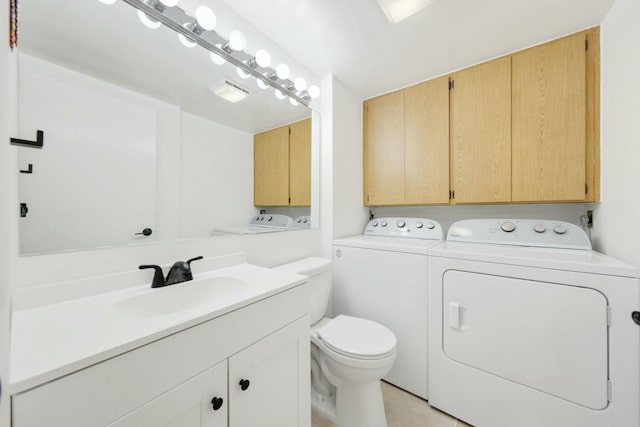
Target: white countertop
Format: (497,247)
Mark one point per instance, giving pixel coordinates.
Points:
(54,340)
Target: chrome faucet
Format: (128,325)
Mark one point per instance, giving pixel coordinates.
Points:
(178,273)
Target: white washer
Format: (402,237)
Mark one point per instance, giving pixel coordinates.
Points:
(382,276)
(263,223)
(530,327)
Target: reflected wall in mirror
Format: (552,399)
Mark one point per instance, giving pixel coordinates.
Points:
(134,137)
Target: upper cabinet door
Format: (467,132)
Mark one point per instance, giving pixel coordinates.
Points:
(426,142)
(384,150)
(300,163)
(481,133)
(271,168)
(549,122)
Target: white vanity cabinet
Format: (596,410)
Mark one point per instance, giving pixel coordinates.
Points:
(172,382)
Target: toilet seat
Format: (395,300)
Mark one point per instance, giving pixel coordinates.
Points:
(357,338)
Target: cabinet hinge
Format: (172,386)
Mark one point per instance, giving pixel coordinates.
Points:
(452,194)
(289,131)
(608,315)
(586,44)
(452,84)
(289,200)
(449,194)
(609,390)
(586,188)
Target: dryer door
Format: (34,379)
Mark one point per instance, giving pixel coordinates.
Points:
(547,336)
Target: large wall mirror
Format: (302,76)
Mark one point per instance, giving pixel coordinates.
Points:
(135,137)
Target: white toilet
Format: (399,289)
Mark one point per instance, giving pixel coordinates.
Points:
(349,355)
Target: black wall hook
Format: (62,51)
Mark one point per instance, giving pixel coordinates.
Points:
(38,143)
(29,169)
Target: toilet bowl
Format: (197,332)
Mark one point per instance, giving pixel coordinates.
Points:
(349,355)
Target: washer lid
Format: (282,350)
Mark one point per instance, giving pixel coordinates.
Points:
(356,337)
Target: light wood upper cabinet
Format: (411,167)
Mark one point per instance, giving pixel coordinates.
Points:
(300,163)
(481,133)
(384,150)
(271,168)
(282,166)
(548,140)
(406,146)
(426,142)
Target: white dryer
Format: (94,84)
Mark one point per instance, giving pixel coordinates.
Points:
(382,276)
(529,327)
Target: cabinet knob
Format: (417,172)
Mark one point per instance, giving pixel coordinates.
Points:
(244,384)
(217,402)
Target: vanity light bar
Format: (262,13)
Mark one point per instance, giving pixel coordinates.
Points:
(175,18)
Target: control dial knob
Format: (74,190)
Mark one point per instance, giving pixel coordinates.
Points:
(539,228)
(384,223)
(375,223)
(508,227)
(401,223)
(560,229)
(419,225)
(431,225)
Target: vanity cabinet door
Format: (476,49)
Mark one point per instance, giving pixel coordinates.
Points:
(200,402)
(269,382)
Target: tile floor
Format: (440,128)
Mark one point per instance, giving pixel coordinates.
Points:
(403,410)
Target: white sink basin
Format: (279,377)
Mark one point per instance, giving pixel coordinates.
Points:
(180,297)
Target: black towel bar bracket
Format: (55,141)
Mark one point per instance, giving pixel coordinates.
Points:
(38,143)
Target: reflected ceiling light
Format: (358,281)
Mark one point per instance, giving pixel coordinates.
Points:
(242,73)
(205,18)
(200,30)
(300,84)
(261,84)
(217,59)
(314,91)
(293,101)
(148,21)
(282,71)
(398,10)
(229,91)
(108,1)
(262,58)
(184,40)
(237,42)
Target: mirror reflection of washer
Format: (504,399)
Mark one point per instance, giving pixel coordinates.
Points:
(529,327)
(382,276)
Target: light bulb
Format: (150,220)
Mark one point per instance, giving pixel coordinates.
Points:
(168,3)
(314,91)
(300,84)
(148,21)
(293,101)
(216,59)
(261,84)
(206,18)
(263,59)
(282,71)
(242,73)
(280,95)
(108,1)
(185,41)
(237,41)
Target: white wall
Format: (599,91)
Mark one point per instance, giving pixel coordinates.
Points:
(8,203)
(349,216)
(217,176)
(616,231)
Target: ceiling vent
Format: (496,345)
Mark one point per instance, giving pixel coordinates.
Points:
(229,91)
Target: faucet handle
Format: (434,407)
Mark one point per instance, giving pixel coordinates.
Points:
(158,276)
(194,259)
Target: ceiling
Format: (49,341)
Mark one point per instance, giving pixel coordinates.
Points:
(353,39)
(110,43)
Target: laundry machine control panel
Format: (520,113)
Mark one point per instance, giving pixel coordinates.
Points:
(520,232)
(416,228)
(272,220)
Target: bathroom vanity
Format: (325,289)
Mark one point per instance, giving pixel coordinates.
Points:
(230,348)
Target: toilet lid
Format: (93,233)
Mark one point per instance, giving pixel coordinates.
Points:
(359,338)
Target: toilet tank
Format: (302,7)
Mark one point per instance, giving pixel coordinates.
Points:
(318,270)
